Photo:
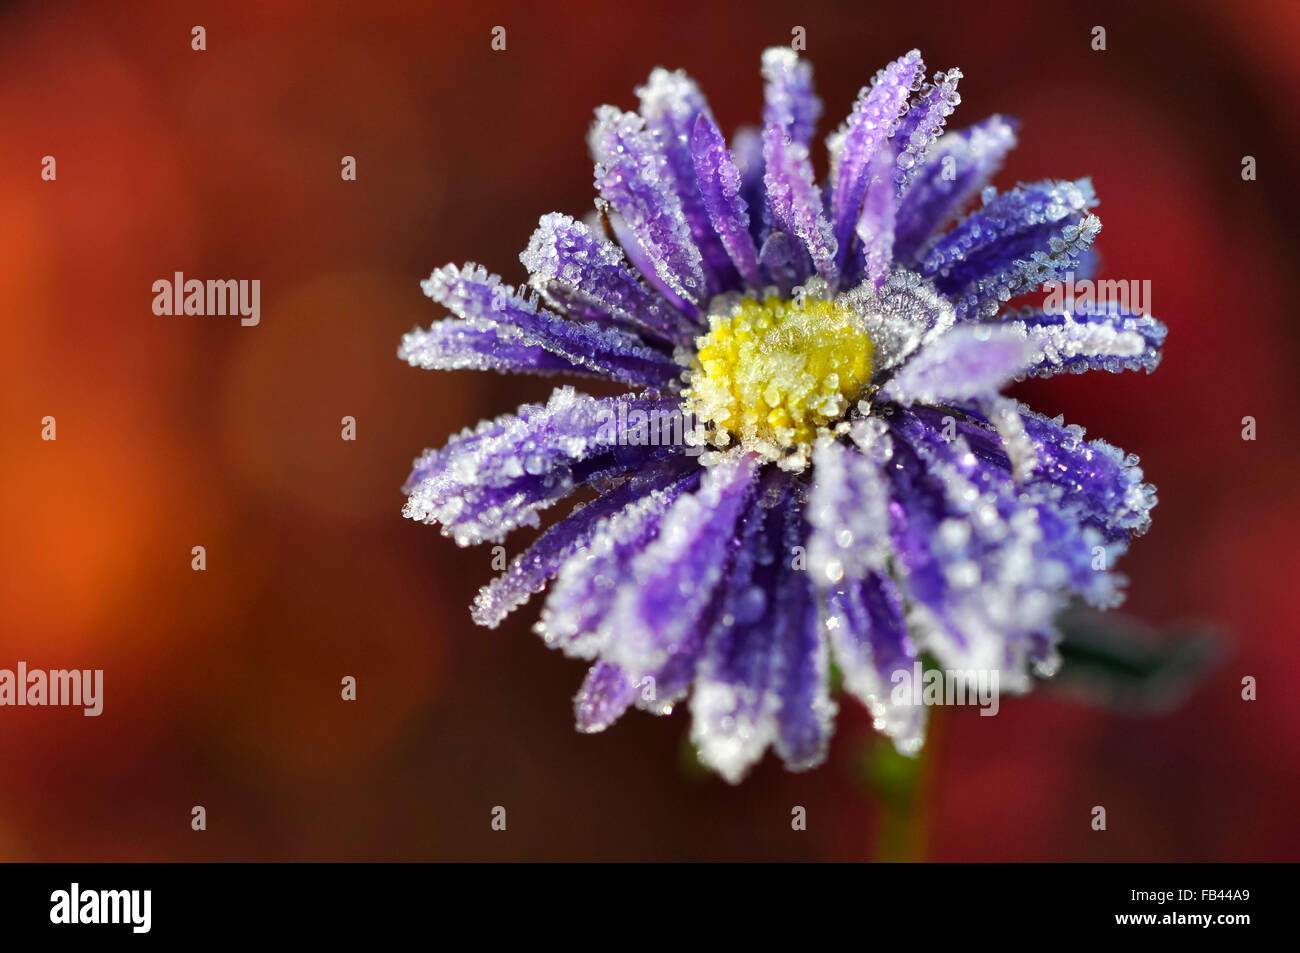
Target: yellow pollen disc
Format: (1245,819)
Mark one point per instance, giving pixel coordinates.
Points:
(774,375)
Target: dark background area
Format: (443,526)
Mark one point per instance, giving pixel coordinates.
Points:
(222,687)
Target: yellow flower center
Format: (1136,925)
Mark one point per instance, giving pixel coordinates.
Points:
(775,373)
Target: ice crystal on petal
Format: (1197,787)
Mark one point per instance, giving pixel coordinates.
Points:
(1004,414)
(900,317)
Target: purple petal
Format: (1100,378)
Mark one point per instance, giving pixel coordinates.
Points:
(633,176)
(785,260)
(1090,482)
(795,202)
(747,148)
(868,635)
(1017,241)
(606,693)
(719,182)
(609,690)
(922,124)
(1098,482)
(671,103)
(1011,557)
(916,510)
(788,97)
(848,507)
(672,580)
(734,704)
(588,580)
(473,294)
(479,345)
(1114,339)
(802,664)
(969,361)
(763,676)
(665,685)
(875,228)
(584,273)
(485,484)
(874,118)
(529,571)
(960,164)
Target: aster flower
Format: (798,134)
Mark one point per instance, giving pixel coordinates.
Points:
(814,461)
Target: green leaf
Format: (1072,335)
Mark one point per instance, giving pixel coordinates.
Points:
(1115,661)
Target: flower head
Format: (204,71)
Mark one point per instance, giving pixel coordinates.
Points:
(814,461)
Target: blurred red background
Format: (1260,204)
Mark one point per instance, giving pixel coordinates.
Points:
(222,687)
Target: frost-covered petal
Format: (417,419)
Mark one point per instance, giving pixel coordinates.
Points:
(633,176)
(1009,559)
(609,690)
(455,344)
(486,483)
(1090,482)
(671,104)
(747,148)
(673,578)
(848,506)
(1004,415)
(471,293)
(979,453)
(764,672)
(875,228)
(1094,479)
(734,703)
(788,97)
(1113,339)
(1016,242)
(921,125)
(959,165)
(784,258)
(802,660)
(606,693)
(720,187)
(589,580)
(870,643)
(969,361)
(529,571)
(795,201)
(585,274)
(916,511)
(874,118)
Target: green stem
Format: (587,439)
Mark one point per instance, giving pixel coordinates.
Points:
(902,788)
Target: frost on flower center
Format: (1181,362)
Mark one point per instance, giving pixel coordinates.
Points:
(773,374)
